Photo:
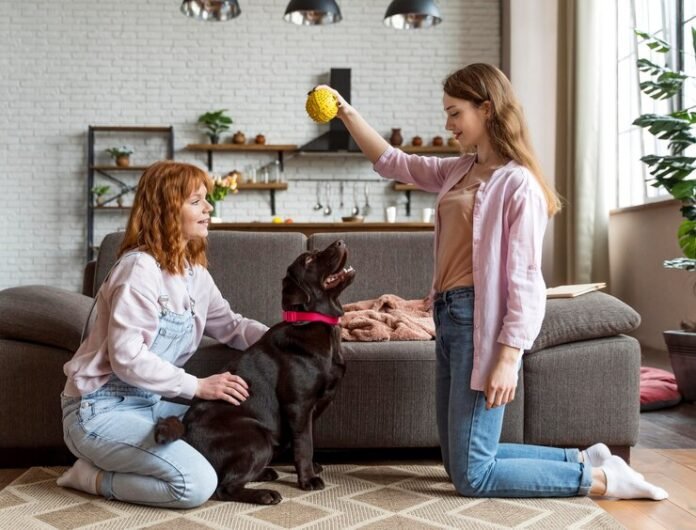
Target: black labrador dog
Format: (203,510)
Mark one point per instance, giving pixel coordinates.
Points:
(292,372)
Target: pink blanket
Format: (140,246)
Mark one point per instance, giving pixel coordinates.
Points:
(387,318)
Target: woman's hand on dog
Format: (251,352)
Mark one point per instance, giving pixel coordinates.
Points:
(225,386)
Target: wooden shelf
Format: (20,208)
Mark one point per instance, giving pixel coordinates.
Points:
(242,147)
(131,128)
(119,168)
(97,173)
(262,186)
(431,149)
(400,186)
(314,228)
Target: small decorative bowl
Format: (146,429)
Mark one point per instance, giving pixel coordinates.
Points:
(353,219)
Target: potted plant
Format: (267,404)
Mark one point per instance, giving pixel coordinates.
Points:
(121,155)
(214,123)
(672,172)
(98,192)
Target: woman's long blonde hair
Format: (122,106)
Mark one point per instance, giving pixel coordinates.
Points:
(507,128)
(154,225)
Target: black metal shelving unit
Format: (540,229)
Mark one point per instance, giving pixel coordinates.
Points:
(106,172)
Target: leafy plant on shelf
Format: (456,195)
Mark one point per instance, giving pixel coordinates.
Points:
(99,192)
(672,171)
(214,123)
(124,150)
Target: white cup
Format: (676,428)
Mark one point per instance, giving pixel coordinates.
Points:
(391,214)
(427,215)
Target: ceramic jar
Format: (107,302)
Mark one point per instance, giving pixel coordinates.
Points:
(396,139)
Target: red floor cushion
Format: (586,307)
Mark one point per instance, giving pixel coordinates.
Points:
(658,389)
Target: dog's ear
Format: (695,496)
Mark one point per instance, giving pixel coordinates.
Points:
(295,292)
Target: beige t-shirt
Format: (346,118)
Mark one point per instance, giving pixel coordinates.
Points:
(454,254)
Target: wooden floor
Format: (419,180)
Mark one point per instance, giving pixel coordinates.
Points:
(665,454)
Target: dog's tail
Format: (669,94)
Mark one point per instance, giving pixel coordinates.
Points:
(169,430)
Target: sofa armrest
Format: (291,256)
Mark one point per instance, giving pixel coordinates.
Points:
(43,315)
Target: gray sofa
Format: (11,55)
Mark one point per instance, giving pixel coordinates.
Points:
(579,383)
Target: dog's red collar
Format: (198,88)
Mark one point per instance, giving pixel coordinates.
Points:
(302,316)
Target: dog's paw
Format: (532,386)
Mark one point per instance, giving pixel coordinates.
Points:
(318,468)
(267,497)
(311,484)
(267,475)
(168,430)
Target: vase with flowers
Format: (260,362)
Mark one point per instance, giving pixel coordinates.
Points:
(221,187)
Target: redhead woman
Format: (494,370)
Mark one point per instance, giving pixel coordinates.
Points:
(152,310)
(488,292)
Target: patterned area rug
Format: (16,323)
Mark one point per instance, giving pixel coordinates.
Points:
(412,497)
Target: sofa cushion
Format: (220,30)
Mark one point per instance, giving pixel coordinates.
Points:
(232,258)
(585,317)
(43,315)
(398,263)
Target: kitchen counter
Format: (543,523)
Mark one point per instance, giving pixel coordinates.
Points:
(314,228)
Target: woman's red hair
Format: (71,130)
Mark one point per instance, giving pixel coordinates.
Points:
(154,225)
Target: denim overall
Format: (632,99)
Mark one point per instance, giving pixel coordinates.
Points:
(113,428)
(477,463)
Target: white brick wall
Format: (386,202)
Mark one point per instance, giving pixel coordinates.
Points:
(67,64)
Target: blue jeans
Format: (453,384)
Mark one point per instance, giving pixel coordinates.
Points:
(113,428)
(477,463)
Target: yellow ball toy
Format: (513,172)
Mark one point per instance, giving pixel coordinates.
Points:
(322,105)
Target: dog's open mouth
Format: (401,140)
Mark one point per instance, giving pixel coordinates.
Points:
(337,278)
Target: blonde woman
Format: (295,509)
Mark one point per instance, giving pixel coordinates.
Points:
(152,310)
(488,292)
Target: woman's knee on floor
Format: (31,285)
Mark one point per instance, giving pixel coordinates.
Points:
(471,482)
(197,487)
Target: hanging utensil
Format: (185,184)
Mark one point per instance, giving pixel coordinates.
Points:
(327,208)
(340,194)
(367,208)
(356,208)
(318,205)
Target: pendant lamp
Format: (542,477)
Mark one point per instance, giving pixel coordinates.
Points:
(412,14)
(211,10)
(312,12)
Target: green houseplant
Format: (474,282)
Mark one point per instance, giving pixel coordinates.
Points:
(98,192)
(672,172)
(214,123)
(121,155)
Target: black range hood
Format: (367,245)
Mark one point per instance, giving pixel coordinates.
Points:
(338,138)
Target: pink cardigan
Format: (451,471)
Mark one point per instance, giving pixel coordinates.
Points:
(126,326)
(510,217)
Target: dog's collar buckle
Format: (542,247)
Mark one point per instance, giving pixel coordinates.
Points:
(303,316)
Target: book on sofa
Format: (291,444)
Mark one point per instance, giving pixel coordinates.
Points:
(571,291)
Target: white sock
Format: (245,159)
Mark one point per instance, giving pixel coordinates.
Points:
(81,476)
(625,483)
(596,454)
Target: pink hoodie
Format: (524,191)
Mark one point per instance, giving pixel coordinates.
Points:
(127,322)
(510,216)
